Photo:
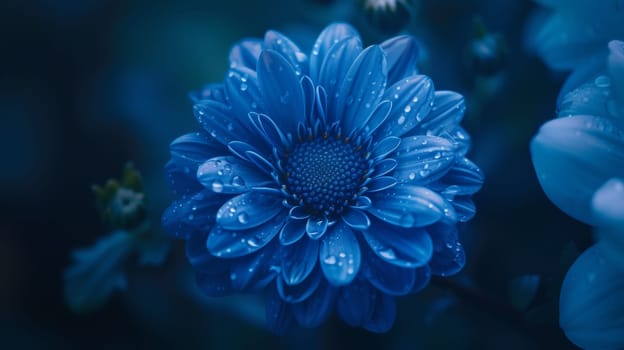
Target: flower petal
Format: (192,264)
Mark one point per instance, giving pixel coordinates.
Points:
(292,232)
(217,120)
(231,244)
(385,146)
(389,278)
(334,69)
(315,227)
(574,156)
(385,166)
(315,309)
(230,175)
(423,159)
(299,292)
(464,207)
(243,91)
(355,302)
(248,210)
(449,257)
(399,246)
(361,89)
(280,43)
(189,215)
(446,113)
(356,219)
(191,150)
(281,90)
(608,210)
(411,99)
(616,71)
(410,206)
(330,36)
(382,314)
(245,53)
(423,276)
(378,117)
(591,307)
(255,271)
(279,314)
(464,178)
(402,53)
(381,183)
(181,180)
(339,255)
(298,260)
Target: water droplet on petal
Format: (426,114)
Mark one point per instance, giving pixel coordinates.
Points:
(243,218)
(217,186)
(388,254)
(330,260)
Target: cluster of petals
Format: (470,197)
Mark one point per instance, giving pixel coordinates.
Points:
(333,180)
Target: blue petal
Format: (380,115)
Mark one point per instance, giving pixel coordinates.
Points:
(181,180)
(423,159)
(356,219)
(230,175)
(279,314)
(355,302)
(245,53)
(615,64)
(97,271)
(339,255)
(190,150)
(449,257)
(271,131)
(298,260)
(282,91)
(608,209)
(240,149)
(361,89)
(399,246)
(411,99)
(362,202)
(423,276)
(389,278)
(410,206)
(385,166)
(334,69)
(464,207)
(255,271)
(330,36)
(280,43)
(464,178)
(378,117)
(381,183)
(591,307)
(243,91)
(248,210)
(217,120)
(385,146)
(191,214)
(591,68)
(299,292)
(292,231)
(589,99)
(316,227)
(215,92)
(402,54)
(382,314)
(574,156)
(315,309)
(230,244)
(445,115)
(197,253)
(309,94)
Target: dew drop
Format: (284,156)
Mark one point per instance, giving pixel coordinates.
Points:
(387,254)
(330,260)
(602,81)
(401,120)
(407,220)
(217,186)
(243,218)
(238,181)
(243,87)
(407,109)
(411,176)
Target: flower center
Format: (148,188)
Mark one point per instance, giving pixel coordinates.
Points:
(325,174)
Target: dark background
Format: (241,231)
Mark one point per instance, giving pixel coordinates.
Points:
(87,85)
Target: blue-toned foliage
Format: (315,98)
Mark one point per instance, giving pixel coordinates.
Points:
(334,179)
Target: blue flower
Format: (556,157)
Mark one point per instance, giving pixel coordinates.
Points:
(578,152)
(333,180)
(573,35)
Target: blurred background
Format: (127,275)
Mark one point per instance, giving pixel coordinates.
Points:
(86,86)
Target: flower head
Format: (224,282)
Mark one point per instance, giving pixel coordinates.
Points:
(335,179)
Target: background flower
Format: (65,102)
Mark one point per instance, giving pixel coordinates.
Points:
(344,192)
